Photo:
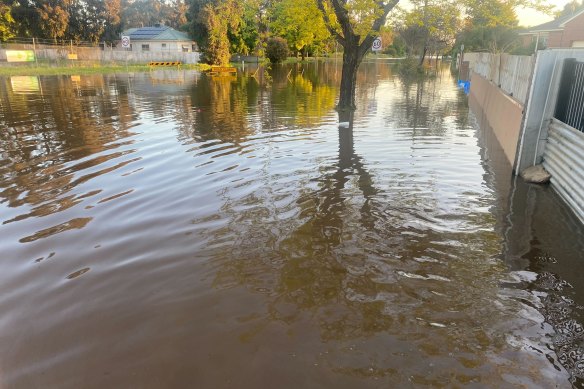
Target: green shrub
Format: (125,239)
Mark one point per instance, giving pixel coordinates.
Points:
(277,49)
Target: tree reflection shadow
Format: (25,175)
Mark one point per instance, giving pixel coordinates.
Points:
(312,268)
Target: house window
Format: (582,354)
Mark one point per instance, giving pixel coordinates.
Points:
(194,48)
(185,49)
(163,46)
(145,47)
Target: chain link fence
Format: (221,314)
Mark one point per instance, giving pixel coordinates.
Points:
(54,52)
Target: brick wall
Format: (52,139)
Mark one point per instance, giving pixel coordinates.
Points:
(574,31)
(555,39)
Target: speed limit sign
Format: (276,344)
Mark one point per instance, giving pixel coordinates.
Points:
(125,41)
(376,44)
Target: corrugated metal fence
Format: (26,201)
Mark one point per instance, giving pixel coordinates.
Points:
(563,159)
(512,73)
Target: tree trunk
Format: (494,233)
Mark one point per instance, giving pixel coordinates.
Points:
(423,56)
(351,63)
(353,50)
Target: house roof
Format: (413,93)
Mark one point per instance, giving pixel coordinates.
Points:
(156,33)
(555,25)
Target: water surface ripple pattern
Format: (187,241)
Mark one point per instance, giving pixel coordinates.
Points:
(169,229)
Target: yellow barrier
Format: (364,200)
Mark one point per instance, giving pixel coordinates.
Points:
(165,63)
(223,69)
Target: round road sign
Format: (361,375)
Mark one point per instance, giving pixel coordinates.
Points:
(376,44)
(125,41)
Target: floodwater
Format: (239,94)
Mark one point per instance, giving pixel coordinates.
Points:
(173,230)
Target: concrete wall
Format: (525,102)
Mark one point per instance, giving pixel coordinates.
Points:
(502,113)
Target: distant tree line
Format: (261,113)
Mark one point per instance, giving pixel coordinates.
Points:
(85,20)
(224,27)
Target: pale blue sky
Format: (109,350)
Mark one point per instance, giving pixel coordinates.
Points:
(531,18)
(527,17)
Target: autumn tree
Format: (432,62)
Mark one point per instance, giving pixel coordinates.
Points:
(354,24)
(54,19)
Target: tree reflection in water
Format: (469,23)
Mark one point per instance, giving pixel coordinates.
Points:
(248,227)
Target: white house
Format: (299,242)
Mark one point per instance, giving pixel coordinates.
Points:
(159,38)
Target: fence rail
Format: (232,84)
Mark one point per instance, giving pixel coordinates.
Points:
(29,43)
(511,73)
(96,54)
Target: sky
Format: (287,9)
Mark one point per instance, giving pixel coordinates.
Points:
(529,18)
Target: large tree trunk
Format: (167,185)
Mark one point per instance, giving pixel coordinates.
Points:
(351,63)
(353,50)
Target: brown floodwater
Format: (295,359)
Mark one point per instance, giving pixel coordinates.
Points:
(175,230)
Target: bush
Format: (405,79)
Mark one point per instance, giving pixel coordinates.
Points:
(277,50)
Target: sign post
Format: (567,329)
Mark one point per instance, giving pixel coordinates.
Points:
(377,45)
(125,42)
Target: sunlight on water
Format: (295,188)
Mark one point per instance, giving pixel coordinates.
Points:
(170,229)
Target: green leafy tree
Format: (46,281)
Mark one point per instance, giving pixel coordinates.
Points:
(354,24)
(144,13)
(245,38)
(174,14)
(26,18)
(491,25)
(6,23)
(67,19)
(290,22)
(211,23)
(397,48)
(141,13)
(430,27)
(94,18)
(277,49)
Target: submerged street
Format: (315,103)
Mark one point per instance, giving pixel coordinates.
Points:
(173,229)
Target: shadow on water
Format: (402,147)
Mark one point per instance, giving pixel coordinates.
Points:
(170,228)
(542,246)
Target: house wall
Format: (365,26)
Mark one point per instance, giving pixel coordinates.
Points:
(555,39)
(172,46)
(573,32)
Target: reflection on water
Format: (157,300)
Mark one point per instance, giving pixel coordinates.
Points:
(167,229)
